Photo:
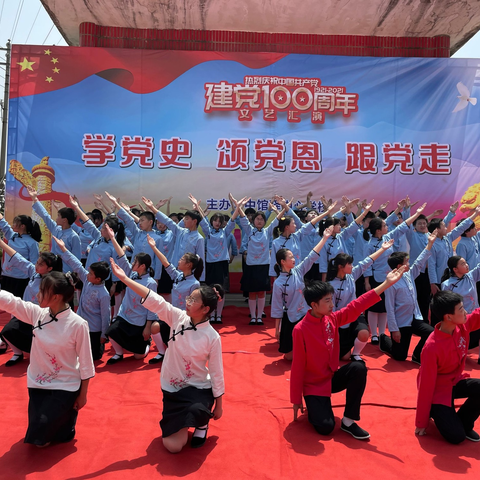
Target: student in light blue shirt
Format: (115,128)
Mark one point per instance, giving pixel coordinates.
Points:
(94,304)
(403,313)
(255,279)
(377,272)
(442,249)
(61,229)
(288,304)
(469,245)
(342,276)
(131,328)
(23,236)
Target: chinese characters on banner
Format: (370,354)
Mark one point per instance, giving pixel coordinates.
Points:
(234,154)
(279,94)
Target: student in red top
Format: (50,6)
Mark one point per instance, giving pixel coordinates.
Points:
(441,378)
(315,373)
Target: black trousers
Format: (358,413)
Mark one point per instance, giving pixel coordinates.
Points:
(399,351)
(424,293)
(351,377)
(97,347)
(454,425)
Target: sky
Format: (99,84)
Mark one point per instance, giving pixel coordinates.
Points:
(27,22)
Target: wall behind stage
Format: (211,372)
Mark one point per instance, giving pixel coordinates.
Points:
(161,123)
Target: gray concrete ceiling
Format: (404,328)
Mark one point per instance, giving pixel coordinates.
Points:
(459,19)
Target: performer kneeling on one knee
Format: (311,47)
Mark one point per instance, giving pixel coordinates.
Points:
(315,373)
(441,378)
(60,360)
(190,389)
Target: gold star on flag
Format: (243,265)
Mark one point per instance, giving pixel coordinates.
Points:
(26,65)
(48,52)
(54,60)
(49,79)
(56,70)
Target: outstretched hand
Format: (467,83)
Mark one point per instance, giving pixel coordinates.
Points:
(395,275)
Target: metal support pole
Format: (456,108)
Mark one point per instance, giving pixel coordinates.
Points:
(3,147)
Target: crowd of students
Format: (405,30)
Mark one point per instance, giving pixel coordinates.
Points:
(339,277)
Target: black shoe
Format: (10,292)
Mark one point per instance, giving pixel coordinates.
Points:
(3,350)
(14,360)
(253,321)
(473,436)
(355,431)
(381,343)
(199,441)
(157,359)
(264,315)
(115,359)
(416,360)
(219,320)
(357,358)
(259,321)
(374,340)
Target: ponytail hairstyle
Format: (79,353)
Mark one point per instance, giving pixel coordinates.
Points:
(375,224)
(451,264)
(144,259)
(52,260)
(282,224)
(209,296)
(57,283)
(341,260)
(31,226)
(327,222)
(117,227)
(279,256)
(197,264)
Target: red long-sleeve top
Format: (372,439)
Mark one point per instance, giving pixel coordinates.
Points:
(316,348)
(443,360)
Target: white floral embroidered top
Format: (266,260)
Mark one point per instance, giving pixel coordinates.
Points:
(187,355)
(61,356)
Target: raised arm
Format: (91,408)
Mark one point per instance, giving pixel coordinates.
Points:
(101,203)
(360,218)
(111,235)
(392,277)
(80,212)
(7,248)
(71,260)
(419,211)
(129,211)
(138,288)
(326,213)
(157,252)
(385,246)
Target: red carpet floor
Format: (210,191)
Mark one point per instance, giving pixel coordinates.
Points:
(118,436)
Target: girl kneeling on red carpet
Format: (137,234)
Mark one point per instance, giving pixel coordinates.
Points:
(190,389)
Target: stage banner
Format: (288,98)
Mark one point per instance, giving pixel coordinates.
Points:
(161,124)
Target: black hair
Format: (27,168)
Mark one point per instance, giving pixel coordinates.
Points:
(375,224)
(209,296)
(144,259)
(216,216)
(194,215)
(52,260)
(282,224)
(57,283)
(327,222)
(383,215)
(316,290)
(117,227)
(420,217)
(197,264)
(259,213)
(101,270)
(180,215)
(434,224)
(173,215)
(396,259)
(279,256)
(69,214)
(31,226)
(226,217)
(148,215)
(301,214)
(471,227)
(444,303)
(137,212)
(452,263)
(96,215)
(341,260)
(250,211)
(369,215)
